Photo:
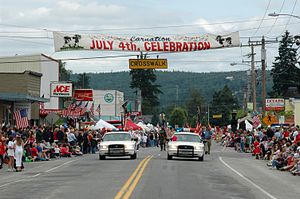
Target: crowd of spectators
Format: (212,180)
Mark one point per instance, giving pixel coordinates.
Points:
(43,144)
(279,146)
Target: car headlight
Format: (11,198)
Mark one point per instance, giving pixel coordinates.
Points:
(199,147)
(103,146)
(172,147)
(131,146)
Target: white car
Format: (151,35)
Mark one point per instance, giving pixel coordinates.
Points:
(117,144)
(186,144)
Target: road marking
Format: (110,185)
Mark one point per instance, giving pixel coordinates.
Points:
(60,166)
(11,183)
(136,180)
(128,182)
(38,174)
(247,179)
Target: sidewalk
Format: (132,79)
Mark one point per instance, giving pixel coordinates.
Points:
(281,184)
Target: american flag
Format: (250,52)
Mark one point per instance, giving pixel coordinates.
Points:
(98,109)
(92,109)
(21,118)
(83,110)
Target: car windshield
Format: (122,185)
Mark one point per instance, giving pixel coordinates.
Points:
(117,137)
(187,138)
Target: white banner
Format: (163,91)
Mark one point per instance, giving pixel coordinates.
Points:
(60,89)
(67,41)
(275,104)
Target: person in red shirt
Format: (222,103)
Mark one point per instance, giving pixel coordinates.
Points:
(2,151)
(64,151)
(256,150)
(297,139)
(35,154)
(286,134)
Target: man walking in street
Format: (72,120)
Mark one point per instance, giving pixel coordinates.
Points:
(162,139)
(206,135)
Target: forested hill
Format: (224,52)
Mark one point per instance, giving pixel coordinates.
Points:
(176,85)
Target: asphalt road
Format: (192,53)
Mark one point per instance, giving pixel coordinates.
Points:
(223,174)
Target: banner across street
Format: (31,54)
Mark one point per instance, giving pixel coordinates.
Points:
(180,43)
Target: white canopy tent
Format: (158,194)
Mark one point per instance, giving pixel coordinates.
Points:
(102,124)
(144,127)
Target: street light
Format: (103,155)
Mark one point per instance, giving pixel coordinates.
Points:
(274,14)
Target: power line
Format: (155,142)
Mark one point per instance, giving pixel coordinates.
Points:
(241,30)
(262,18)
(276,18)
(289,17)
(141,28)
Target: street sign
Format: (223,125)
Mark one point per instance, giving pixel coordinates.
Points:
(148,63)
(217,116)
(269,119)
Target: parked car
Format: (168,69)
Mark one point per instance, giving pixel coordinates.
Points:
(186,144)
(116,144)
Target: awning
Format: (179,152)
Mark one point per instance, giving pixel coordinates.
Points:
(19,97)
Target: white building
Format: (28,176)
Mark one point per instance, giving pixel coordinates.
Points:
(110,103)
(40,63)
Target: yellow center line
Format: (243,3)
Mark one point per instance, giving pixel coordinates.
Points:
(126,185)
(136,180)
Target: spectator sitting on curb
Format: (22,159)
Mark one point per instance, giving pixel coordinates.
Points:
(64,150)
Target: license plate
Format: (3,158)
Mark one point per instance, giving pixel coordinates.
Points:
(116,151)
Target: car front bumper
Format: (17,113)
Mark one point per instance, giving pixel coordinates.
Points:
(126,152)
(177,153)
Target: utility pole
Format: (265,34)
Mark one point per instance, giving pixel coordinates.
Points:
(176,95)
(253,78)
(263,71)
(262,43)
(208,114)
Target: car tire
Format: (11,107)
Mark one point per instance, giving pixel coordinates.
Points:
(101,157)
(201,158)
(133,156)
(170,157)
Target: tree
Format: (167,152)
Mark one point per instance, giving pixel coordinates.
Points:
(64,74)
(83,81)
(144,79)
(194,101)
(178,117)
(284,72)
(223,103)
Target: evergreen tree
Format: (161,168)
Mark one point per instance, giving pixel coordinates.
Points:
(64,74)
(144,80)
(194,101)
(83,81)
(284,72)
(178,117)
(223,103)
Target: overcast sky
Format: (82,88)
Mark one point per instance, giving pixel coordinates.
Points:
(26,28)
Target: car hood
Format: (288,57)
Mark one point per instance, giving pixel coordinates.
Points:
(116,142)
(177,143)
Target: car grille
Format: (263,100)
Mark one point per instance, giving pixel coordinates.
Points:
(116,149)
(185,150)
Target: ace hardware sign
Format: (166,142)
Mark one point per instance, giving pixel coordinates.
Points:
(61,89)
